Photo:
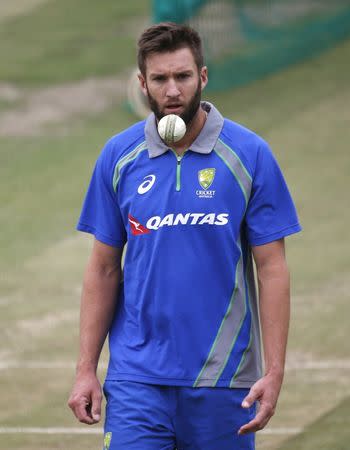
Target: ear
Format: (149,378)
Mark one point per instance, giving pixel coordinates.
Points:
(143,84)
(204,76)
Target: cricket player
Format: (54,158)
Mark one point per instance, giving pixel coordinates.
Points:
(184,318)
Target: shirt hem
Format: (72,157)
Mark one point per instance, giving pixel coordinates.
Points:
(276,235)
(208,382)
(99,236)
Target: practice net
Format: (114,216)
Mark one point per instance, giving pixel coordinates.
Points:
(247,39)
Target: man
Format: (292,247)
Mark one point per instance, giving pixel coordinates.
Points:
(185,363)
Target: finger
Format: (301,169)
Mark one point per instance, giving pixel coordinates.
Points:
(258,423)
(82,412)
(249,427)
(252,397)
(96,405)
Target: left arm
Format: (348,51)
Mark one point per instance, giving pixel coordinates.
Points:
(274,303)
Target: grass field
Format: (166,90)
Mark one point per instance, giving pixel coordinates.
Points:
(303,112)
(63,40)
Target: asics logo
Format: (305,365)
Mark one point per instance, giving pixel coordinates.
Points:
(146,185)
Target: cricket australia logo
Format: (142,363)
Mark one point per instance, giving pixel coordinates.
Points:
(205,179)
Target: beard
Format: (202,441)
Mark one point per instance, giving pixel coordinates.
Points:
(189,112)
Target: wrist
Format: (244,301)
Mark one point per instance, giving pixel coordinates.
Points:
(275,372)
(86,366)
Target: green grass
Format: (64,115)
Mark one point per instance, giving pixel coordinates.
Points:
(331,431)
(7,105)
(64,40)
(17,7)
(44,180)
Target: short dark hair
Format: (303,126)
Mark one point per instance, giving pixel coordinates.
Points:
(168,37)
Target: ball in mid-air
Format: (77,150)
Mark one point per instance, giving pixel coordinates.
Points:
(171,128)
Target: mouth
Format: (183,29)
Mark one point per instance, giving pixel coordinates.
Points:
(173,108)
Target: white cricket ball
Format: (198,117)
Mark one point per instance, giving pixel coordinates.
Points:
(171,128)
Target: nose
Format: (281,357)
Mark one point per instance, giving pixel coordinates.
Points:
(172,89)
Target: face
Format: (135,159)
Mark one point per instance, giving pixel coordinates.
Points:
(172,84)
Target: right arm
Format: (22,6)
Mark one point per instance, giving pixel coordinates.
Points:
(98,301)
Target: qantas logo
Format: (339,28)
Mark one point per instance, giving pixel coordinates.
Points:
(136,227)
(171,220)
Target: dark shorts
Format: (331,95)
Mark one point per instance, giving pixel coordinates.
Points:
(153,417)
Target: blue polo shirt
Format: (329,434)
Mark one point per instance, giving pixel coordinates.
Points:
(187,310)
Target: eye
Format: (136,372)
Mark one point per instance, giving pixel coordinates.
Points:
(158,78)
(183,76)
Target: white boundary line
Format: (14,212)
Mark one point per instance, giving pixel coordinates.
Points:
(99,431)
(281,431)
(319,365)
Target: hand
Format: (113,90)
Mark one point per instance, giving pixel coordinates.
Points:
(86,397)
(266,391)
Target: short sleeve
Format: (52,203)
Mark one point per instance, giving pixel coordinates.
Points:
(100,215)
(271,214)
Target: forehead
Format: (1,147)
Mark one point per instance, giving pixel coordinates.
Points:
(176,61)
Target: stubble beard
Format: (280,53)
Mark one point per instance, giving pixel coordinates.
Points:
(188,114)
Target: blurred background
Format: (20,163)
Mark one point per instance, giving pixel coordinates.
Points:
(67,83)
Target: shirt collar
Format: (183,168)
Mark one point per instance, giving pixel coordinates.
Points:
(204,142)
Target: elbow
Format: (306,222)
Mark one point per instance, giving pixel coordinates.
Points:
(106,271)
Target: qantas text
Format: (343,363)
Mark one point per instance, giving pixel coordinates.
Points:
(171,220)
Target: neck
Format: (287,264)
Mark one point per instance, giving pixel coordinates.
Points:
(193,130)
